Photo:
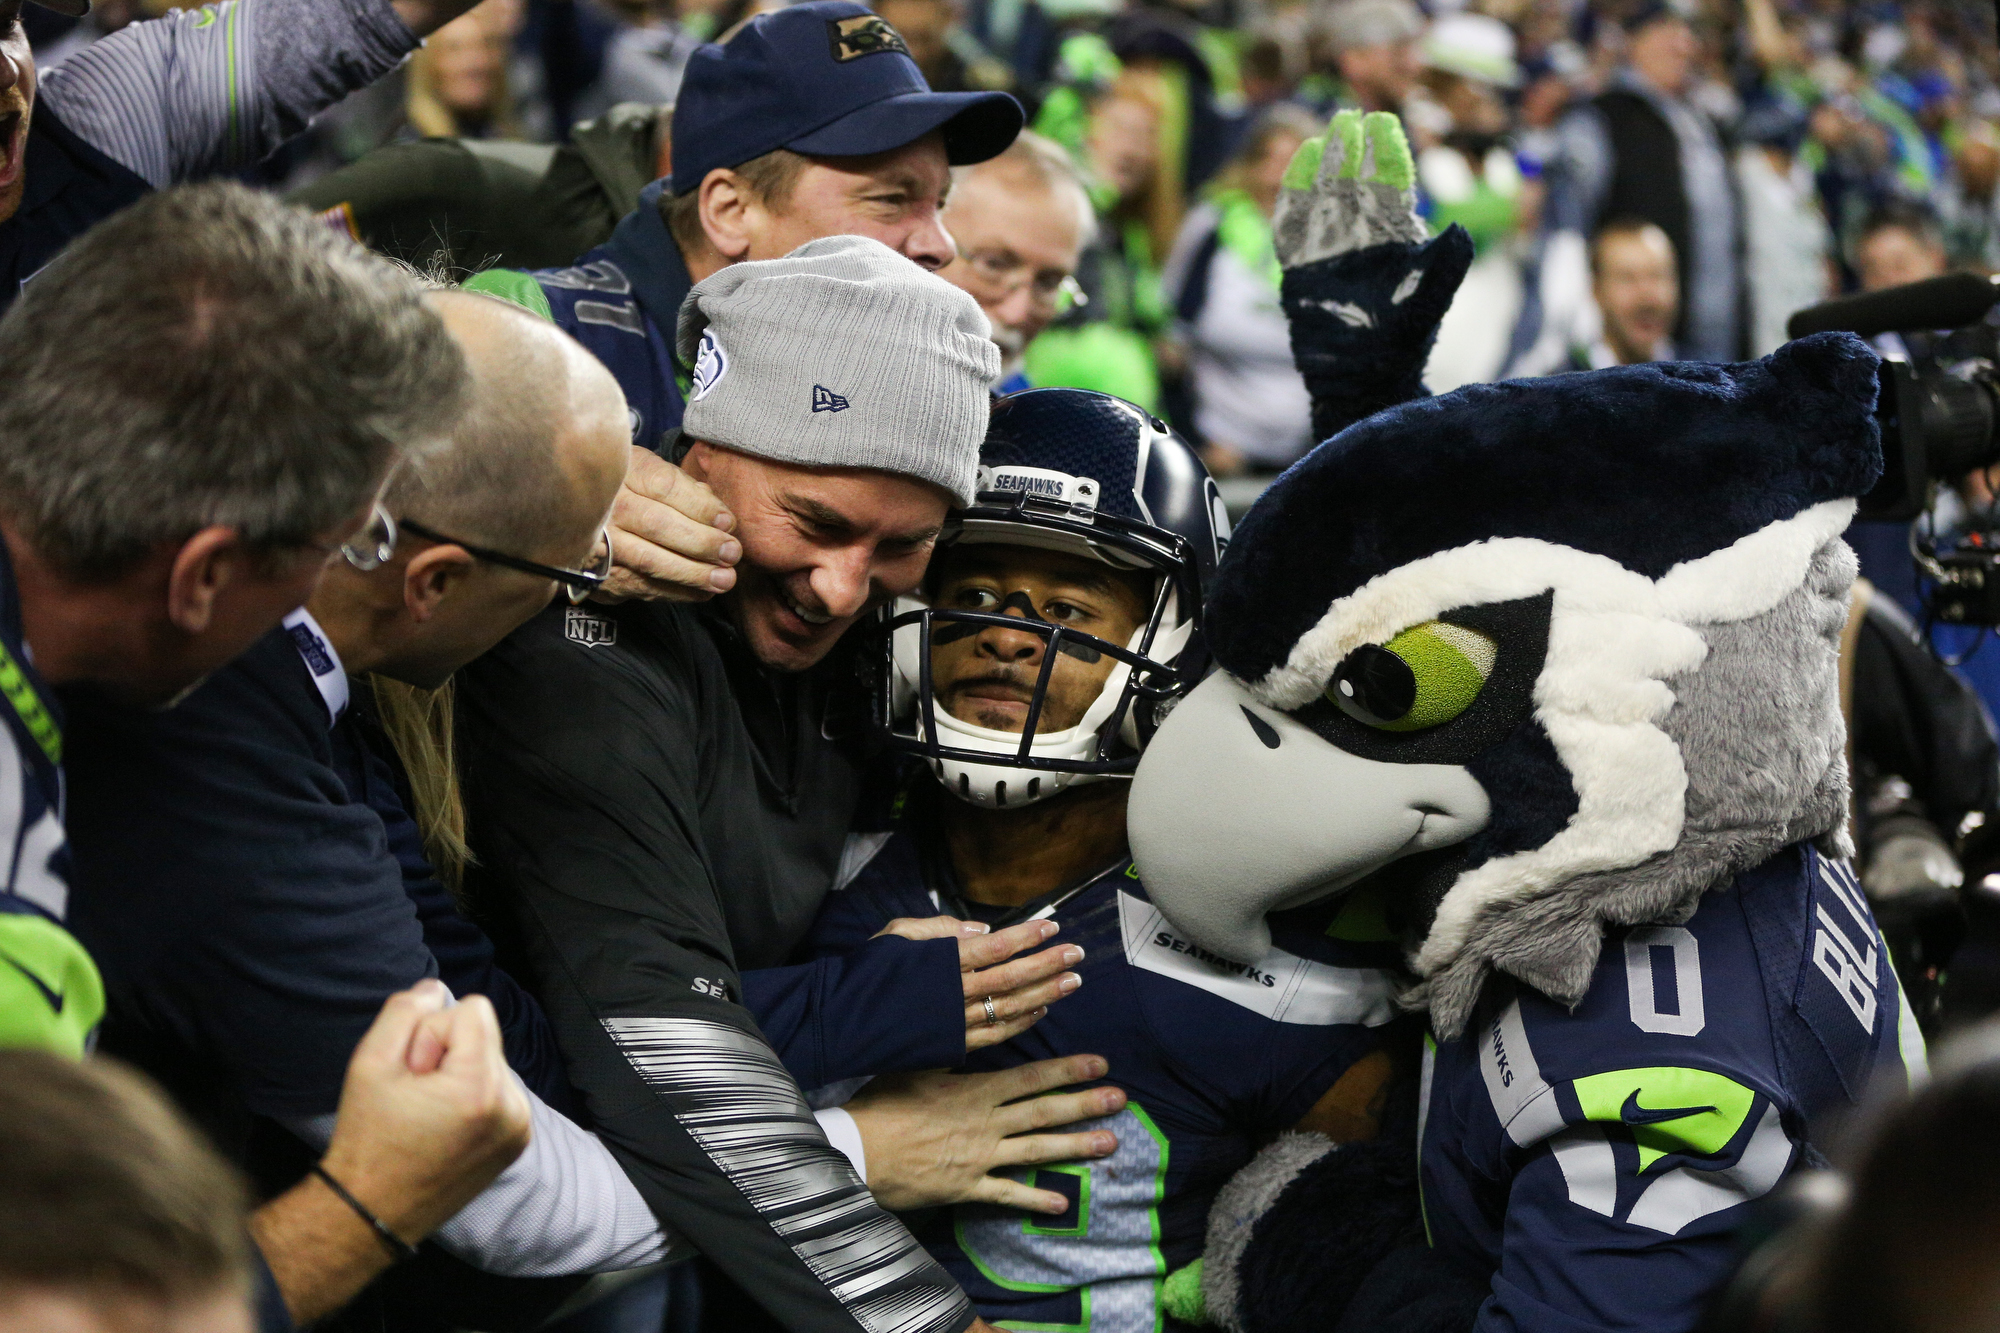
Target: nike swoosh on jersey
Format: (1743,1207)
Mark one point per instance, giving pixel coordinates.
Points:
(1634,1114)
(54,997)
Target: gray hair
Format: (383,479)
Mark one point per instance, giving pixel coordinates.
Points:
(1050,166)
(210,356)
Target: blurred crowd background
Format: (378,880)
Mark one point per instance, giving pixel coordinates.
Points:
(1643,181)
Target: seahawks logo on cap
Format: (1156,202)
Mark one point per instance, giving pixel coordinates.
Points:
(711,363)
(863,35)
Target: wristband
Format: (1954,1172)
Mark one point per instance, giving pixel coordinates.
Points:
(399,1249)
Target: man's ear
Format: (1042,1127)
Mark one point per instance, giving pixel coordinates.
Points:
(431,576)
(205,564)
(729,212)
(697,459)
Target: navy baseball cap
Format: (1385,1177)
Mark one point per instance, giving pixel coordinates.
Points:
(828,78)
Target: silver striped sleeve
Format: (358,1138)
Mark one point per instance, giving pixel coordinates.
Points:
(207,90)
(732,1096)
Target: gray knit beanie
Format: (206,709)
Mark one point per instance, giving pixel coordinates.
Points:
(841,354)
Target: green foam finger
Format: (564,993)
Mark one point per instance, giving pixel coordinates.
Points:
(1393,164)
(1305,164)
(1347,125)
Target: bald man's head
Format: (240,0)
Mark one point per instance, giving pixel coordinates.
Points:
(529,471)
(541,448)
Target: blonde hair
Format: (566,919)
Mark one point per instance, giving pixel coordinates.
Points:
(426,111)
(1160,205)
(1272,122)
(420,725)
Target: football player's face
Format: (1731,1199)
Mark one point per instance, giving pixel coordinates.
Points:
(985,674)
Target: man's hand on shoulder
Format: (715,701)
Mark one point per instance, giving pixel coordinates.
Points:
(935,1138)
(670,536)
(1021,990)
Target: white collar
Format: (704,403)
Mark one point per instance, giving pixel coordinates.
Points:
(318,653)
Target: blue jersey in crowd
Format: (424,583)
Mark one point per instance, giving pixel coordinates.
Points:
(1215,1056)
(1596,1160)
(620,301)
(50,994)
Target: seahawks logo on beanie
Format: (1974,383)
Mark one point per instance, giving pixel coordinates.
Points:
(711,363)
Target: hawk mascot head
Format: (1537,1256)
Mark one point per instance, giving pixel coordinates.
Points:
(1525,661)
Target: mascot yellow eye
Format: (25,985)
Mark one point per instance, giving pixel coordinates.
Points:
(1427,675)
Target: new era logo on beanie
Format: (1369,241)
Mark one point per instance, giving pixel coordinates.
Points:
(913,355)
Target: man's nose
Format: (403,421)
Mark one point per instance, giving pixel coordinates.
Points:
(929,243)
(1011,645)
(1016,309)
(10,71)
(841,582)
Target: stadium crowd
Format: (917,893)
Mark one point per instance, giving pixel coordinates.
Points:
(1781,153)
(493,497)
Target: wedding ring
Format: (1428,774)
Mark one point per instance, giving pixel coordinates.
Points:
(992,1014)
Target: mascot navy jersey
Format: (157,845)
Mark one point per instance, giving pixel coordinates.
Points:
(1215,1056)
(1573,1153)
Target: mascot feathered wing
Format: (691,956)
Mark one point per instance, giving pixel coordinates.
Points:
(1547,670)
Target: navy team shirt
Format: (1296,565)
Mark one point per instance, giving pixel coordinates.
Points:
(621,301)
(1215,1057)
(1596,1161)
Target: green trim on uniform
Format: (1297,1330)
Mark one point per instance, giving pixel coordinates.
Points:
(28,706)
(51,996)
(230,30)
(511,284)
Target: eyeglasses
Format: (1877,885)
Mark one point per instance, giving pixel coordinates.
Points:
(372,547)
(1006,273)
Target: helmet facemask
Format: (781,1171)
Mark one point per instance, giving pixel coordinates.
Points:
(1043,743)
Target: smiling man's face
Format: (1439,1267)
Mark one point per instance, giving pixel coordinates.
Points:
(986,675)
(17,104)
(822,546)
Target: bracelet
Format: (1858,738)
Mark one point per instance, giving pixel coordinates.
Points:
(399,1249)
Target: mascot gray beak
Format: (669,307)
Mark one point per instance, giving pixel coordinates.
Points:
(1238,810)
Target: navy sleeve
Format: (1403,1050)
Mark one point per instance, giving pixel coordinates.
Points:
(889,1006)
(1566,1267)
(464,954)
(245,913)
